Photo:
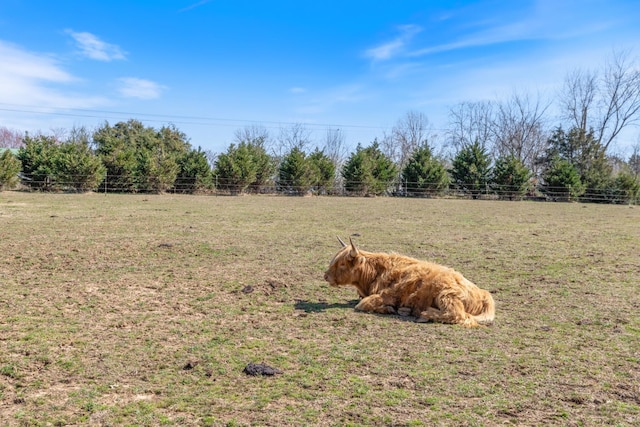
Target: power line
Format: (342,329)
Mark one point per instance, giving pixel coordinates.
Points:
(176,119)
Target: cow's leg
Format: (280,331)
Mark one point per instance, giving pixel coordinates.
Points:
(375,304)
(417,302)
(451,311)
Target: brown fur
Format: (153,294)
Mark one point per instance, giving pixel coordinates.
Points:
(391,283)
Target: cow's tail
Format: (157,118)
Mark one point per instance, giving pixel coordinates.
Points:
(488,313)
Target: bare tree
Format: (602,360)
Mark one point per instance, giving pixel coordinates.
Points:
(211,156)
(59,134)
(409,133)
(470,122)
(621,97)
(519,128)
(606,102)
(335,147)
(634,160)
(255,134)
(10,138)
(294,136)
(578,96)
(80,134)
(389,147)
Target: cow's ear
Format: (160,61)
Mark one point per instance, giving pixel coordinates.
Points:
(354,251)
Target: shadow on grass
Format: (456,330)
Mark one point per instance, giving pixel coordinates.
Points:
(317,307)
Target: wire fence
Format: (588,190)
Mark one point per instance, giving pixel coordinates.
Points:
(217,186)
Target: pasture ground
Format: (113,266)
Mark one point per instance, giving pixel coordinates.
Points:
(145,309)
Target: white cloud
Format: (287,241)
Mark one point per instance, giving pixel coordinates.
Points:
(92,47)
(333,97)
(133,87)
(36,79)
(394,47)
(194,5)
(18,63)
(385,51)
(297,90)
(543,21)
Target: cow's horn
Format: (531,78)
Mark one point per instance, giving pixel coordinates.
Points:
(354,250)
(341,242)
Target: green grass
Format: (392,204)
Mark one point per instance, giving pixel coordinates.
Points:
(130,310)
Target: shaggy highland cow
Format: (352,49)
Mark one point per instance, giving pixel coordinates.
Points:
(396,284)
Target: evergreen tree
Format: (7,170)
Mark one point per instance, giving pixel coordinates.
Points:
(77,167)
(71,165)
(117,147)
(324,170)
(424,174)
(510,178)
(561,180)
(236,169)
(37,157)
(626,188)
(296,175)
(368,171)
(471,169)
(9,168)
(356,171)
(140,158)
(264,165)
(587,156)
(597,176)
(195,173)
(158,156)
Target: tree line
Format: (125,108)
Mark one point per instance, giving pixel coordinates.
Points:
(129,157)
(504,149)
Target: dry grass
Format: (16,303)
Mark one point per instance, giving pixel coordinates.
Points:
(130,310)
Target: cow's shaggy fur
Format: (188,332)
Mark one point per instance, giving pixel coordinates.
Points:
(391,283)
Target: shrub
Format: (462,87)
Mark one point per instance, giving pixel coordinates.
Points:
(140,158)
(625,188)
(471,169)
(510,178)
(37,158)
(265,165)
(561,180)
(245,166)
(296,175)
(324,170)
(195,173)
(9,169)
(76,167)
(424,174)
(368,171)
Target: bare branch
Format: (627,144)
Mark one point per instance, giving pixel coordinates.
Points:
(621,97)
(519,128)
(606,102)
(10,138)
(255,134)
(577,97)
(409,133)
(294,136)
(335,146)
(470,122)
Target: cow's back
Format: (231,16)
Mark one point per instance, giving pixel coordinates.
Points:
(423,284)
(389,269)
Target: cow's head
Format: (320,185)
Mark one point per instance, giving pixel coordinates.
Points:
(345,267)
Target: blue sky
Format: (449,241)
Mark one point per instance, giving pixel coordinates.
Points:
(213,67)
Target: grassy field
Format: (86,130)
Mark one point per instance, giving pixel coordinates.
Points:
(144,310)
